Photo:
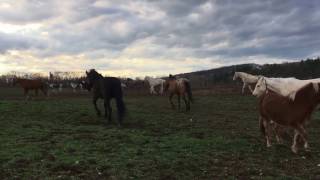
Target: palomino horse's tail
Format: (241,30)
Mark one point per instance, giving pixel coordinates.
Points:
(188,89)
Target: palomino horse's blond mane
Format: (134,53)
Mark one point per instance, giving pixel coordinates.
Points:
(287,87)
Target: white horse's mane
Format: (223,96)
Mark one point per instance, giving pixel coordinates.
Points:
(246,77)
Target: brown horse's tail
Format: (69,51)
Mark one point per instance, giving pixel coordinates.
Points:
(188,89)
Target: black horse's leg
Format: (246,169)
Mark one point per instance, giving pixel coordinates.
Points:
(186,102)
(108,110)
(94,101)
(44,91)
(179,104)
(170,99)
(26,94)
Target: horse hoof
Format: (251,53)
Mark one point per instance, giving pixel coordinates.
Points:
(269,145)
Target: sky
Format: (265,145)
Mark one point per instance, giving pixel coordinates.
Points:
(135,38)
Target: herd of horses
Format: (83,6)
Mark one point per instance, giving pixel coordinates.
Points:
(108,88)
(283,102)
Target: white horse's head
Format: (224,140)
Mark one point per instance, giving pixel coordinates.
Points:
(147,78)
(261,87)
(235,76)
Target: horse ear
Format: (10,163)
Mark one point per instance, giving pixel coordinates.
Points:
(87,72)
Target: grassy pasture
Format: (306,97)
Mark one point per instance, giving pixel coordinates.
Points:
(62,138)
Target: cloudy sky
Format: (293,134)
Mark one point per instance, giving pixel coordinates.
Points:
(154,37)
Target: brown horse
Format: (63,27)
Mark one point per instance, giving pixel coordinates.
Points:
(285,112)
(31,84)
(180,87)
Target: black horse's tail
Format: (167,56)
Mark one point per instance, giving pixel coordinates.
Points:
(188,89)
(120,105)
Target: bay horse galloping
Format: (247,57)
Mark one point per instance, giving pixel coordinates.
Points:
(106,88)
(180,87)
(31,84)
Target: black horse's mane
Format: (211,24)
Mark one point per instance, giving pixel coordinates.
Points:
(95,74)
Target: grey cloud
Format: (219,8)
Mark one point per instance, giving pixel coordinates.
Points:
(19,42)
(278,29)
(27,11)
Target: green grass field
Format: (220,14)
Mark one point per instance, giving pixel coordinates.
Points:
(62,138)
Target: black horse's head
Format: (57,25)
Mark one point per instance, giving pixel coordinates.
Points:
(92,77)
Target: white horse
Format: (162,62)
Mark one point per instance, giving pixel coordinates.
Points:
(123,85)
(60,87)
(247,79)
(155,82)
(74,86)
(55,87)
(287,87)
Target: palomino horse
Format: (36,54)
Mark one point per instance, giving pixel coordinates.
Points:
(106,88)
(283,86)
(247,79)
(31,84)
(180,87)
(285,112)
(155,82)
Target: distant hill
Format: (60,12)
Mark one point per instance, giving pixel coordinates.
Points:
(304,69)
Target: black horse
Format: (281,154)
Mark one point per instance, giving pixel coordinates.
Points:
(106,88)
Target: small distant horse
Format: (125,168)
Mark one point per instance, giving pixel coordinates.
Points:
(180,87)
(283,111)
(155,82)
(55,87)
(247,79)
(106,88)
(31,84)
(74,86)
